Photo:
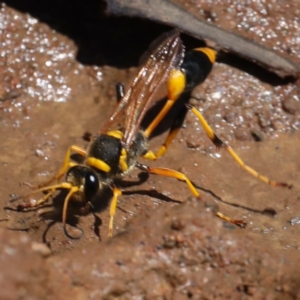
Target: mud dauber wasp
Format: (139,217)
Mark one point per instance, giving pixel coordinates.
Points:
(114,153)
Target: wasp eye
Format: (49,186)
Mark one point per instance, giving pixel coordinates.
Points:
(91,185)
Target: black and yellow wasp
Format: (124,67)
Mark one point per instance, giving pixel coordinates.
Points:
(113,153)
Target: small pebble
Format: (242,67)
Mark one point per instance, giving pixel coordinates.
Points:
(41,248)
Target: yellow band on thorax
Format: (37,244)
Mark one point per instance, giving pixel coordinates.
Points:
(115,133)
(98,164)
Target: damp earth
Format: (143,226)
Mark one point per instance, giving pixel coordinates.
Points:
(58,83)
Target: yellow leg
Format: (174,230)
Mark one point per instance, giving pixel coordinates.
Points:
(38,202)
(66,165)
(170,173)
(176,84)
(51,189)
(239,223)
(113,206)
(177,81)
(150,155)
(182,177)
(158,118)
(219,143)
(170,137)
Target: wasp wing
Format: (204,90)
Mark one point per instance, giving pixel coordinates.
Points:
(168,54)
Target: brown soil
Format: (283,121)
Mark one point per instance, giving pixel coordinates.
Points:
(162,248)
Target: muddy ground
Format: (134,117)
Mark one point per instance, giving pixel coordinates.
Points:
(58,72)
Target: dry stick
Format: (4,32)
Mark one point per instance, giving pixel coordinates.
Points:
(169,13)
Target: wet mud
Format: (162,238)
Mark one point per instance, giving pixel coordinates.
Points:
(166,244)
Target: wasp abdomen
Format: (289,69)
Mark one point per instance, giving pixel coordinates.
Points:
(196,65)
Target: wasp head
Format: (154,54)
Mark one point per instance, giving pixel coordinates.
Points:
(86,180)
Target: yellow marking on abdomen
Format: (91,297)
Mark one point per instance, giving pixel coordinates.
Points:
(176,84)
(210,53)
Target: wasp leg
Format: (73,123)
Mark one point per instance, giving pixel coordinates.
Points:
(170,173)
(178,121)
(33,203)
(182,177)
(219,143)
(112,211)
(176,85)
(41,188)
(173,132)
(66,165)
(51,189)
(194,69)
(239,223)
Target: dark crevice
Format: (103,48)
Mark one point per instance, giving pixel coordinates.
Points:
(254,69)
(103,39)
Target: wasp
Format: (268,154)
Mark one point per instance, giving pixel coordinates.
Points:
(114,151)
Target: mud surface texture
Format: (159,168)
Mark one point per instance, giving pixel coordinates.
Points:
(59,64)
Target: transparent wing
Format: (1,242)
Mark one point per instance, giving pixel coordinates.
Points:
(165,54)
